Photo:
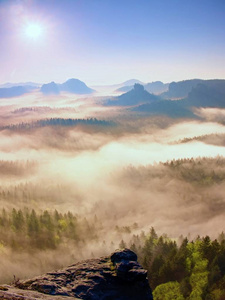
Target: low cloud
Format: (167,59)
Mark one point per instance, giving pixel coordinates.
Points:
(114,173)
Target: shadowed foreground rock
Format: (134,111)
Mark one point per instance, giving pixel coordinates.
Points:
(118,277)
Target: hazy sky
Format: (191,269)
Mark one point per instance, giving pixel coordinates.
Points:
(110,41)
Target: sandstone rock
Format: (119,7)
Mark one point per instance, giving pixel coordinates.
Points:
(118,277)
(126,255)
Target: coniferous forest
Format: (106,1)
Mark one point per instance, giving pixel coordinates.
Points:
(112,136)
(36,224)
(80,178)
(178,268)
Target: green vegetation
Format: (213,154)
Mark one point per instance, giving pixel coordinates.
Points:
(192,270)
(202,171)
(178,269)
(168,291)
(28,230)
(199,172)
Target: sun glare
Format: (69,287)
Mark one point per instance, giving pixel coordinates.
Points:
(34,31)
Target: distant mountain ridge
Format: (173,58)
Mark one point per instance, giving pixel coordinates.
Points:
(74,86)
(181,89)
(209,93)
(29,83)
(192,93)
(114,87)
(15,91)
(198,93)
(203,93)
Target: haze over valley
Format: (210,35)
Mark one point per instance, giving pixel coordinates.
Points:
(112,136)
(111,168)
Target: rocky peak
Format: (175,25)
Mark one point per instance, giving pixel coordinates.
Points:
(138,87)
(118,277)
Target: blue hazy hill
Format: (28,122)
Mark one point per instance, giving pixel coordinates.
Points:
(15,91)
(169,108)
(155,87)
(209,93)
(50,88)
(137,95)
(180,89)
(74,86)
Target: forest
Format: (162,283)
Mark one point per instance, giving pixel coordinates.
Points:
(57,122)
(79,180)
(183,267)
(112,135)
(180,268)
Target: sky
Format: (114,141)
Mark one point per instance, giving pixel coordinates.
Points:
(110,41)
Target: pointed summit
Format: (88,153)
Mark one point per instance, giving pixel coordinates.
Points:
(138,95)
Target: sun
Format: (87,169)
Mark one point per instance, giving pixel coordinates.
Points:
(34,31)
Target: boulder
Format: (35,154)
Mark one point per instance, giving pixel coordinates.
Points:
(118,277)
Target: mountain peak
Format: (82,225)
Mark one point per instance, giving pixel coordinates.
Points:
(138,87)
(138,95)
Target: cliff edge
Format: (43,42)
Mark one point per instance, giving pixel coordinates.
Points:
(118,277)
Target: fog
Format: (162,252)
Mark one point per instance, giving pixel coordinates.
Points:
(212,114)
(115,173)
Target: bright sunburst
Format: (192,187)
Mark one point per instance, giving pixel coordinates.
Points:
(34,31)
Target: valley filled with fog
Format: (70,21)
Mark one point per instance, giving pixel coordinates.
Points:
(112,137)
(117,172)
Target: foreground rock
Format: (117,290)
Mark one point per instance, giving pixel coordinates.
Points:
(117,277)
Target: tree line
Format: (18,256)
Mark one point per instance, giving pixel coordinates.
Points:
(177,268)
(182,269)
(57,122)
(25,229)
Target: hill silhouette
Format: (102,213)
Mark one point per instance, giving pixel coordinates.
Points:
(138,95)
(180,89)
(205,93)
(183,89)
(209,93)
(132,82)
(29,84)
(74,86)
(169,108)
(15,91)
(155,87)
(50,88)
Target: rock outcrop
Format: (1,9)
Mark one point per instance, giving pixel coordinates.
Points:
(118,277)
(138,95)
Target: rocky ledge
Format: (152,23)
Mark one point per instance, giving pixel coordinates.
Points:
(117,277)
